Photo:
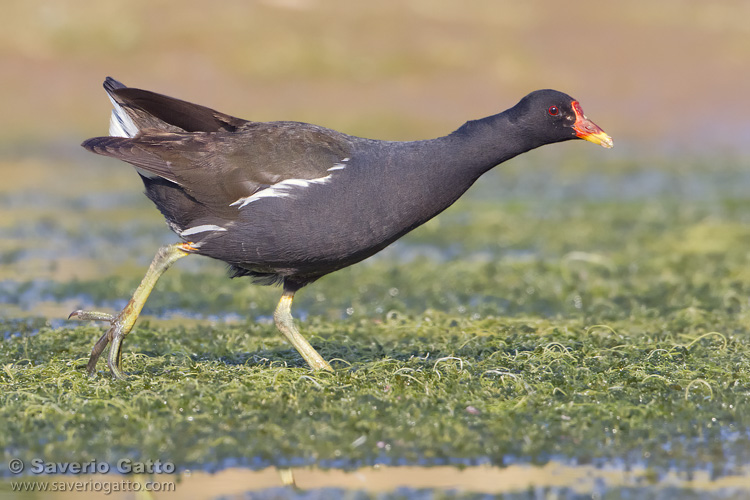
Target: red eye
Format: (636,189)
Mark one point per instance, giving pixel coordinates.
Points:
(553,110)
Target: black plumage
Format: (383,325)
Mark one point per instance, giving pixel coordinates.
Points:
(288,202)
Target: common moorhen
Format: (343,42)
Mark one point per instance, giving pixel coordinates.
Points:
(288,202)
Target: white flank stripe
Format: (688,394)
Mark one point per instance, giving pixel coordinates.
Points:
(202,229)
(120,124)
(266,193)
(340,165)
(293,182)
(279,190)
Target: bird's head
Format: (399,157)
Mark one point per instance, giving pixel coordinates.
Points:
(554,117)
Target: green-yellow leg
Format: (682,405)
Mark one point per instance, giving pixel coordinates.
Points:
(123,322)
(282,316)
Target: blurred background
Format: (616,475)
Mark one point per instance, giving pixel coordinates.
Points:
(668,75)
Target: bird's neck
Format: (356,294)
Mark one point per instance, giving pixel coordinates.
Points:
(480,145)
(430,175)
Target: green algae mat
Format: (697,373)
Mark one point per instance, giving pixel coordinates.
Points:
(570,312)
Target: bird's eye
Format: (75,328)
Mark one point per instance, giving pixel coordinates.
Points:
(553,110)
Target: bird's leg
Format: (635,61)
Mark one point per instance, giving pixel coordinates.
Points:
(282,316)
(123,322)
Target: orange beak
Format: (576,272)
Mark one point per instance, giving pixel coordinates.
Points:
(588,130)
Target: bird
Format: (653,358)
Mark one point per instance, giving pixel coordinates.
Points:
(286,202)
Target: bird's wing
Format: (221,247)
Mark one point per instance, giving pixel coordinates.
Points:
(221,168)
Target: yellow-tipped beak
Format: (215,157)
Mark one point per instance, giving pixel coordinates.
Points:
(600,138)
(588,130)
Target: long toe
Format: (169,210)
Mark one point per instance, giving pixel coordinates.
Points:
(91,316)
(96,352)
(114,359)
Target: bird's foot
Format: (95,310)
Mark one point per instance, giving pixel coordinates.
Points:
(123,322)
(120,327)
